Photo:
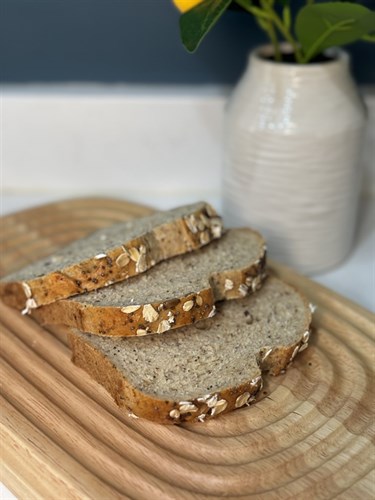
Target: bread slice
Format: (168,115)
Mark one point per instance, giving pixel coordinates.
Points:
(110,255)
(175,293)
(202,370)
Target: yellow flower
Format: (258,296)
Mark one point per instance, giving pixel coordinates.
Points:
(184,5)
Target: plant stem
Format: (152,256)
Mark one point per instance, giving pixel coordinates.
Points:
(255,11)
(284,31)
(265,23)
(287,17)
(267,12)
(273,37)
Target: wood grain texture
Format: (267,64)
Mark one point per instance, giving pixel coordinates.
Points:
(311,435)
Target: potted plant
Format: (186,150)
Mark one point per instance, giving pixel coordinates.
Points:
(293,126)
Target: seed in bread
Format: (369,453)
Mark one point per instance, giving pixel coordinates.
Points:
(110,255)
(193,374)
(177,292)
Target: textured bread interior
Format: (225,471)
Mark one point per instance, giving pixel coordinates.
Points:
(178,277)
(100,242)
(214,354)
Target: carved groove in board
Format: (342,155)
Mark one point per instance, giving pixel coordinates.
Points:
(309,436)
(17,430)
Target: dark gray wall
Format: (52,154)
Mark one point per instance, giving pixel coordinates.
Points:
(134,41)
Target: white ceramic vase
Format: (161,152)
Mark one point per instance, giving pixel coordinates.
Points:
(291,158)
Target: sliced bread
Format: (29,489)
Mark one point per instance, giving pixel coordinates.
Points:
(175,293)
(110,255)
(194,375)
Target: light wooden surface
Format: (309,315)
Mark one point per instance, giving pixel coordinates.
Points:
(310,436)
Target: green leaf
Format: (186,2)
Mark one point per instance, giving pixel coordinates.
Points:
(198,21)
(369,38)
(324,25)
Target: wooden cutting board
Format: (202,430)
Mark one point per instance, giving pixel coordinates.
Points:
(62,437)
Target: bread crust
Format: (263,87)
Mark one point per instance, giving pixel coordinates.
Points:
(164,411)
(165,316)
(135,256)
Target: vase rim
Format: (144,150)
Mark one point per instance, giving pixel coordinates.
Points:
(335,56)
